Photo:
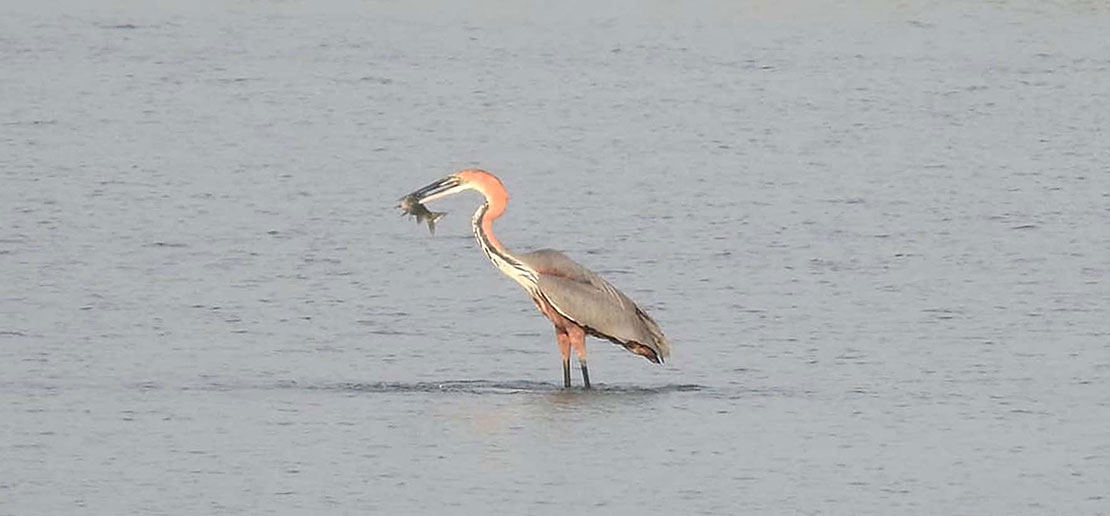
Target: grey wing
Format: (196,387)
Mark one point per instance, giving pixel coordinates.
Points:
(582,296)
(550,261)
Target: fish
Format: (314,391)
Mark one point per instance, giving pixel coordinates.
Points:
(410,206)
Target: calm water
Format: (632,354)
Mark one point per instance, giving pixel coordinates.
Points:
(875,233)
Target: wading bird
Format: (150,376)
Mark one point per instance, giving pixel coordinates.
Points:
(576,300)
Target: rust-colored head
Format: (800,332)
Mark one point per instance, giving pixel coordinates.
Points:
(479,180)
(470,179)
(488,185)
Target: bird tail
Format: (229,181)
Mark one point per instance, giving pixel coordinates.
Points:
(660,345)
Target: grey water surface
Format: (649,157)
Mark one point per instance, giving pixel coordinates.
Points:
(876,233)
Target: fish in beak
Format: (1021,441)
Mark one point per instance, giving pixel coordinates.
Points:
(413,203)
(410,206)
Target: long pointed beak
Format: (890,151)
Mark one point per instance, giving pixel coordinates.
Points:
(438,189)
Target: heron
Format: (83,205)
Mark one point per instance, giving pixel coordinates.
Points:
(576,300)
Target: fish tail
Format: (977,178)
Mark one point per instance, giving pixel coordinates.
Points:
(433,217)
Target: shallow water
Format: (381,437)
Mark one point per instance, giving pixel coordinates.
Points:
(875,233)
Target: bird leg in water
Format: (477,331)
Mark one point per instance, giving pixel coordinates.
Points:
(577,337)
(564,350)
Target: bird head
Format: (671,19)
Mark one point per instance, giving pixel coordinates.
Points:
(471,179)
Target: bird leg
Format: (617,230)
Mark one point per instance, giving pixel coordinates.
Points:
(564,350)
(577,337)
(566,372)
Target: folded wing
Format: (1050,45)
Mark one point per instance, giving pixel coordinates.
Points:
(582,296)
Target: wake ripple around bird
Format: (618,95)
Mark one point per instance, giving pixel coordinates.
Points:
(482,387)
(490,387)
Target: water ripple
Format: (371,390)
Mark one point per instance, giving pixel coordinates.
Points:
(485,387)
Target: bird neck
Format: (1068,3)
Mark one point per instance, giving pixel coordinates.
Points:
(483,229)
(501,257)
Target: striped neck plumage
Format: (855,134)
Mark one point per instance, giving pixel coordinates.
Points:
(501,258)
